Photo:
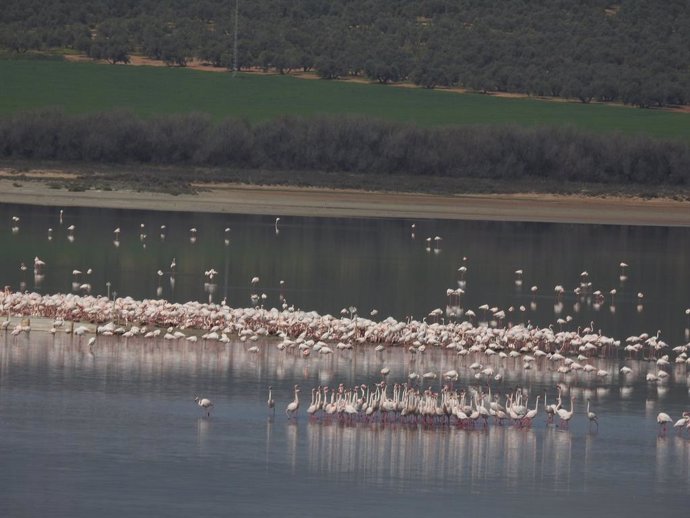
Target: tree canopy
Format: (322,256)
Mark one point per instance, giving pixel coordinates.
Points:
(346,145)
(635,51)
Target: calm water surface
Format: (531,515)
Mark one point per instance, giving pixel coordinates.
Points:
(117,432)
(330,264)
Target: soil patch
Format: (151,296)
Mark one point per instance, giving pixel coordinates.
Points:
(221,197)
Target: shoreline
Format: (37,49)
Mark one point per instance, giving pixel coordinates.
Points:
(322,202)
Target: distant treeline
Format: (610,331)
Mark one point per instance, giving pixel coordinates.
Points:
(346,145)
(636,51)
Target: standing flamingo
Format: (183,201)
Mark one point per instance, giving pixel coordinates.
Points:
(623,276)
(531,414)
(592,416)
(291,410)
(564,415)
(551,409)
(663,419)
(38,265)
(682,422)
(205,404)
(270,403)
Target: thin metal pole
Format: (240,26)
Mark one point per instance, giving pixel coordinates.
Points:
(234,53)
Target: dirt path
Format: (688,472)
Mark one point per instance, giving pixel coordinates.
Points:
(281,201)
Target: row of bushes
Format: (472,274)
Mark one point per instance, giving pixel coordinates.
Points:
(349,144)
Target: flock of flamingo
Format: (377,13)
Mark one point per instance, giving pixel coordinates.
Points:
(307,333)
(409,403)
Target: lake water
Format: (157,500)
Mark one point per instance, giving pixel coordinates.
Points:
(116,431)
(331,264)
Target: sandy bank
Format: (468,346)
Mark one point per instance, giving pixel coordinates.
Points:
(284,201)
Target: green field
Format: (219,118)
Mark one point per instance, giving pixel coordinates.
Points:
(84,87)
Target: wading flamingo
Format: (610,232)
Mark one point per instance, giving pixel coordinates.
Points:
(591,416)
(564,415)
(663,419)
(682,422)
(291,410)
(205,404)
(270,403)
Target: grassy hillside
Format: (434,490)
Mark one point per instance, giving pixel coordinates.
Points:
(86,87)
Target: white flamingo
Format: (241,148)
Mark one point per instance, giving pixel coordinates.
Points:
(592,416)
(565,416)
(38,264)
(663,419)
(313,407)
(205,404)
(291,410)
(682,422)
(271,403)
(531,414)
